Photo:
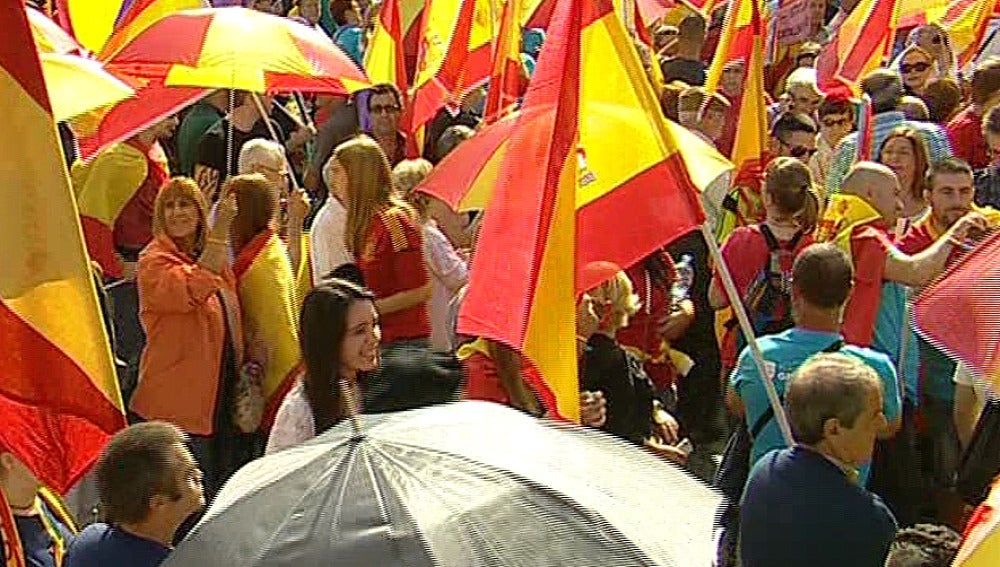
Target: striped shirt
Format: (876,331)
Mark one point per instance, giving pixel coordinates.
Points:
(883,124)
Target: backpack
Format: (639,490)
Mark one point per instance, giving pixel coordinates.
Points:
(768,300)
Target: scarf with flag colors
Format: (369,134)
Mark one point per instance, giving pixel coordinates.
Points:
(267,288)
(843,214)
(59,399)
(51,510)
(589,91)
(860,45)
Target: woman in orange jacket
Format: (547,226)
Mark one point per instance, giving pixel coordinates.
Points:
(188,307)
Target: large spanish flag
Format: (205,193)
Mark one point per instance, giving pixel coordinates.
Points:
(981,541)
(267,286)
(59,398)
(102,26)
(506,82)
(581,200)
(863,41)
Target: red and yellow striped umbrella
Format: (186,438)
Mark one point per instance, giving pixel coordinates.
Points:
(236,48)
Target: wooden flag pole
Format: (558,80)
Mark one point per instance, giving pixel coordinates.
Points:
(741,315)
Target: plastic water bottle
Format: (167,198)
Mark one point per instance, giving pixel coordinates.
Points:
(685,278)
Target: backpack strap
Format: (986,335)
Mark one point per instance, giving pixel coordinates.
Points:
(768,414)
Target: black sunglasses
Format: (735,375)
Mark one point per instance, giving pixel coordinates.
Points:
(383,109)
(918,67)
(798,151)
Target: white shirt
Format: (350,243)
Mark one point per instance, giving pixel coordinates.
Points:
(294,422)
(326,239)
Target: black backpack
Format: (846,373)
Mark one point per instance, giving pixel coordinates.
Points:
(769,299)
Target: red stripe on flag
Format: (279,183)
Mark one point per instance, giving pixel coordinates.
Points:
(869,40)
(249,253)
(601,234)
(18,42)
(160,42)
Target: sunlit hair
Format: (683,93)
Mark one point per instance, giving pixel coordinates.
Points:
(788,181)
(256,205)
(618,297)
(406,176)
(183,188)
(258,152)
(919,158)
(369,187)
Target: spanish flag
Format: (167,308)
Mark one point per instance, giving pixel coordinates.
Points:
(861,43)
(103,26)
(506,80)
(965,21)
(981,541)
(743,40)
(454,55)
(566,197)
(59,398)
(267,288)
(385,60)
(844,212)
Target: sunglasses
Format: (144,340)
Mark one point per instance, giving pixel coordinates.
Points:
(907,68)
(834,122)
(799,151)
(383,109)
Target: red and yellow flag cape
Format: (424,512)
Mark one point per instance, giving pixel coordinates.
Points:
(268,289)
(59,398)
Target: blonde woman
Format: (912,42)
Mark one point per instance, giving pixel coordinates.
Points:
(384,236)
(448,270)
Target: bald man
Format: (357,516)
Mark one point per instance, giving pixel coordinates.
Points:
(860,219)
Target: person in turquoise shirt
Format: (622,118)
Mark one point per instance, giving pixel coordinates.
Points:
(348,35)
(822,278)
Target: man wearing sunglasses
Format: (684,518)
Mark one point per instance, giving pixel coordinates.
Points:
(793,135)
(836,120)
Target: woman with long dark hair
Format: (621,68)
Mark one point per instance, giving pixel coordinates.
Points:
(339,336)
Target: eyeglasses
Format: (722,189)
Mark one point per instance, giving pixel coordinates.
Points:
(907,68)
(936,40)
(798,151)
(383,109)
(834,122)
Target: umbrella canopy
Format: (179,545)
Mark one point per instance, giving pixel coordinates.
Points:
(237,48)
(463,484)
(78,85)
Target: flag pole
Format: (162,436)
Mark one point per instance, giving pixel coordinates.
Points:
(736,303)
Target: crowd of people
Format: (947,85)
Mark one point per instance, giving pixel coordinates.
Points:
(268,274)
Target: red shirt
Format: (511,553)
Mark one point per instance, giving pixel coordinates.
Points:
(392,261)
(643,331)
(965,132)
(870,246)
(483,382)
(134,226)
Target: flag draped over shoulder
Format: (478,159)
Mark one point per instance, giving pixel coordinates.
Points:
(581,200)
(267,286)
(862,42)
(59,398)
(505,78)
(844,212)
(958,312)
(742,39)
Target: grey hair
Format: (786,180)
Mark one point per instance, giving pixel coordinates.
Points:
(828,385)
(258,151)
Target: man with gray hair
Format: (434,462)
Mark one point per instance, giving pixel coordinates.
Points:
(885,87)
(809,493)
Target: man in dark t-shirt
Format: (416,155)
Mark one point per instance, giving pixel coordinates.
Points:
(150,484)
(687,65)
